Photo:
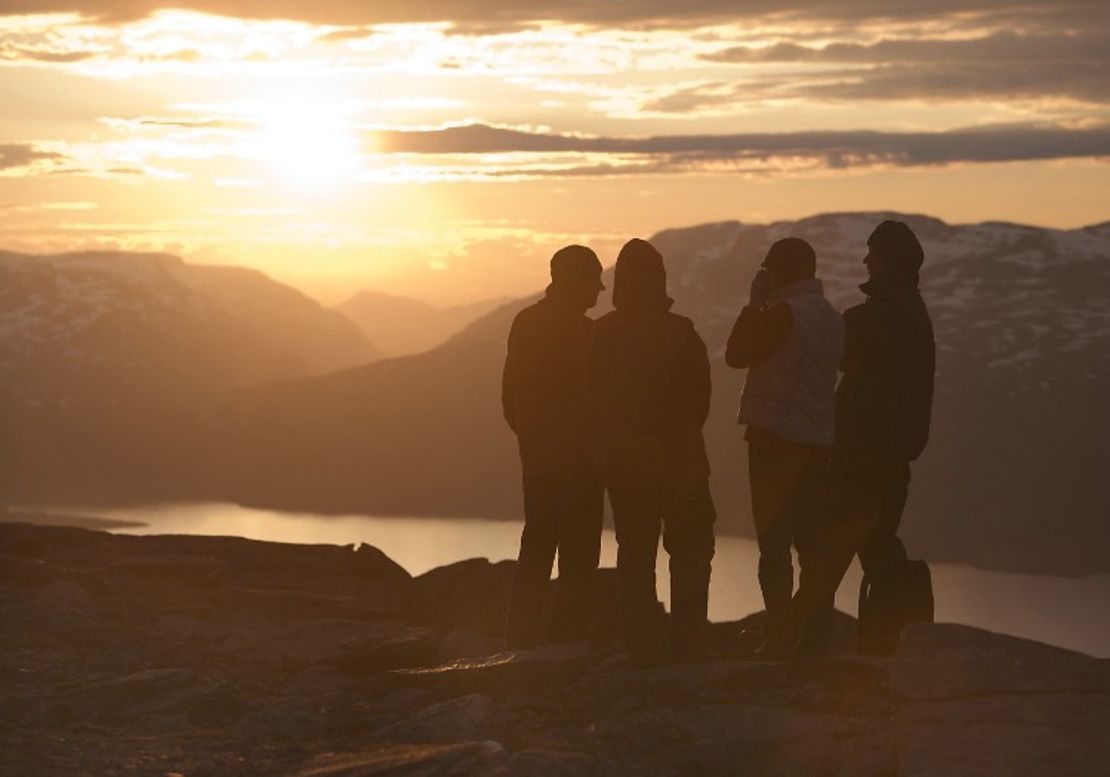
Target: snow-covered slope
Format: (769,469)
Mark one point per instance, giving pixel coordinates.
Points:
(97,325)
(1013,475)
(1004,295)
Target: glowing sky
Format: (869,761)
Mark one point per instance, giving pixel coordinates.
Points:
(444,149)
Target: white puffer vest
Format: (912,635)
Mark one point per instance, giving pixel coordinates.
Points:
(792,393)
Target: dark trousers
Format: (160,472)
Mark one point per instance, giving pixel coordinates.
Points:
(789,490)
(684,514)
(563,516)
(865,510)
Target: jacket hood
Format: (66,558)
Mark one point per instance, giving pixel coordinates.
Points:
(640,280)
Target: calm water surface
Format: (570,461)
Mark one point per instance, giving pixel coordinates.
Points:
(1070,612)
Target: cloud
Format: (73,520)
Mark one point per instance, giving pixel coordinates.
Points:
(28,159)
(199,123)
(997,48)
(40,207)
(19,155)
(542,154)
(497,15)
(1001,65)
(10,52)
(1085,81)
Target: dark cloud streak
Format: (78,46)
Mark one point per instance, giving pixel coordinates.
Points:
(998,48)
(9,52)
(495,15)
(833,149)
(14,155)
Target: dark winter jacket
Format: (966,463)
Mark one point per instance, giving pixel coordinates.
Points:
(543,389)
(885,398)
(650,390)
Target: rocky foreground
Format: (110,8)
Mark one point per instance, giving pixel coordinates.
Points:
(186,655)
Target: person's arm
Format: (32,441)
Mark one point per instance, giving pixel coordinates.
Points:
(510,378)
(600,387)
(858,334)
(599,362)
(701,382)
(691,386)
(758,332)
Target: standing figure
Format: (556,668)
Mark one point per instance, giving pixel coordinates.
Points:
(884,405)
(791,340)
(650,389)
(544,400)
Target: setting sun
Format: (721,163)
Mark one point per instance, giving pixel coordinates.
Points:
(307,142)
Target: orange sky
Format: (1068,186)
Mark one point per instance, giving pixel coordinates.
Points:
(419,148)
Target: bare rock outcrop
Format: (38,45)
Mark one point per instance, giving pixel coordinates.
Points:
(215,655)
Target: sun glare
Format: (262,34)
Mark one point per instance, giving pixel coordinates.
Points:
(308,143)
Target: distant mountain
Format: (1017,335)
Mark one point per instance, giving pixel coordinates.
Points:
(151,322)
(400,325)
(110,355)
(1013,476)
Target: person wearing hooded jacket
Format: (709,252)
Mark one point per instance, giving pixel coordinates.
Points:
(883,412)
(543,395)
(791,341)
(650,388)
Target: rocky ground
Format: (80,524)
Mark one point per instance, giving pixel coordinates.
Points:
(187,655)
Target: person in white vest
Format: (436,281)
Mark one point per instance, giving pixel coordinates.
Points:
(791,340)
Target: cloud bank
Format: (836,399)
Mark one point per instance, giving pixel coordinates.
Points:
(494,14)
(834,149)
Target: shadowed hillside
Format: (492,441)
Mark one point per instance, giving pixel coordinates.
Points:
(400,325)
(111,360)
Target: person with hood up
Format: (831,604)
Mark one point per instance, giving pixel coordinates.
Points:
(791,340)
(543,395)
(650,390)
(883,410)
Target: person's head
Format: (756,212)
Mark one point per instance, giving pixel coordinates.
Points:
(788,261)
(640,280)
(576,275)
(893,251)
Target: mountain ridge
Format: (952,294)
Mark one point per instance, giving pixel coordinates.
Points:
(1010,479)
(401,325)
(1008,301)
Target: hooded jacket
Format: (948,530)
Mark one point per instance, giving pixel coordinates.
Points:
(649,380)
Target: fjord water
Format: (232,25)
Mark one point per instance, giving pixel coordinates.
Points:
(1070,612)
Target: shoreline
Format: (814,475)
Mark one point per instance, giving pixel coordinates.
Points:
(58,515)
(36,518)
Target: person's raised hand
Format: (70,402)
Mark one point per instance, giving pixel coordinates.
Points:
(761,287)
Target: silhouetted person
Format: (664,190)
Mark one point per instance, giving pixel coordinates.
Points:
(544,401)
(649,383)
(884,404)
(791,340)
